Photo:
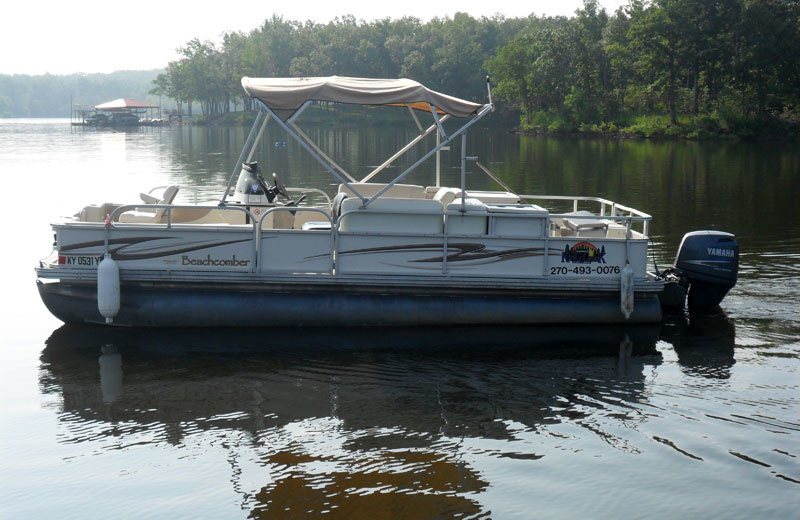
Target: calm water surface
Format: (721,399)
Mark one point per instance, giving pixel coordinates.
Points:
(697,416)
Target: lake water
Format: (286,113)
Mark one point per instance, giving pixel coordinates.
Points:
(696,417)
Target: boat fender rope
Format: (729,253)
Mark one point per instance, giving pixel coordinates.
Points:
(653,254)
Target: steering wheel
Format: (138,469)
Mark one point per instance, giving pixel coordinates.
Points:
(280,186)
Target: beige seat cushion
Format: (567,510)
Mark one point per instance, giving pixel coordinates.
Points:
(586,221)
(494,197)
(415,216)
(152,215)
(447,195)
(369,189)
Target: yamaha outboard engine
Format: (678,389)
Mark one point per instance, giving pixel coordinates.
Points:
(709,260)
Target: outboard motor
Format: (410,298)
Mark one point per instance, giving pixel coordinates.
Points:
(709,260)
(251,188)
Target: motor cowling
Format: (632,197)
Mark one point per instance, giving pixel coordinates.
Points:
(710,261)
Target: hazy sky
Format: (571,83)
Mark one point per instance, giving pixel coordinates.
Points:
(61,37)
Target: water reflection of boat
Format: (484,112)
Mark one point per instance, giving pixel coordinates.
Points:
(703,341)
(544,341)
(379,402)
(285,375)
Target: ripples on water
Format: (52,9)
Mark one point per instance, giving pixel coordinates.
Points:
(453,423)
(697,416)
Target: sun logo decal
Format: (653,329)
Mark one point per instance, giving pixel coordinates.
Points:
(584,253)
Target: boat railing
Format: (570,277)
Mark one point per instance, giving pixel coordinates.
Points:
(199,190)
(169,208)
(616,216)
(256,223)
(608,209)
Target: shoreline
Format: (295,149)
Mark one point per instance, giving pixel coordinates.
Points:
(710,127)
(623,136)
(689,128)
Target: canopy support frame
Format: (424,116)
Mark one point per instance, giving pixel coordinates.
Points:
(483,111)
(442,142)
(438,122)
(257,139)
(402,151)
(288,129)
(319,151)
(416,119)
(241,155)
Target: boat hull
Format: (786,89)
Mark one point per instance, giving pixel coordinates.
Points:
(169,304)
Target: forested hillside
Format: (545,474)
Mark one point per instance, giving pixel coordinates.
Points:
(692,68)
(671,67)
(444,54)
(49,95)
(726,65)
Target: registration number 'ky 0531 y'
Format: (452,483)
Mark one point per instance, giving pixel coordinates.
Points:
(82,261)
(585,269)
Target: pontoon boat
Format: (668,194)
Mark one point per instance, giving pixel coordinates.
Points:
(372,253)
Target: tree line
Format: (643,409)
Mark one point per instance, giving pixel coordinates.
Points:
(739,58)
(666,57)
(714,61)
(444,54)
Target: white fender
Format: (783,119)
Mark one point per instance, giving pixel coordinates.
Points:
(626,291)
(108,288)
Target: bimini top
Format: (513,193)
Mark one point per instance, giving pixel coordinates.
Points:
(291,93)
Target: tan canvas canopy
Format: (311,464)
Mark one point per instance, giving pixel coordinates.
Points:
(291,93)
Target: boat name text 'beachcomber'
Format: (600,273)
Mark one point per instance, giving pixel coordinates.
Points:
(228,262)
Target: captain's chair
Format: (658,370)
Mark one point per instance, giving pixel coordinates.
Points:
(151,215)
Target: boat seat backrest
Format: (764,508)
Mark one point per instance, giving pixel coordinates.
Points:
(169,194)
(446,195)
(96,213)
(369,189)
(151,215)
(336,205)
(148,199)
(392,215)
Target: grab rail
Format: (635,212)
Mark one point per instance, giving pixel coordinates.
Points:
(198,189)
(256,223)
(627,220)
(168,224)
(617,210)
(169,208)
